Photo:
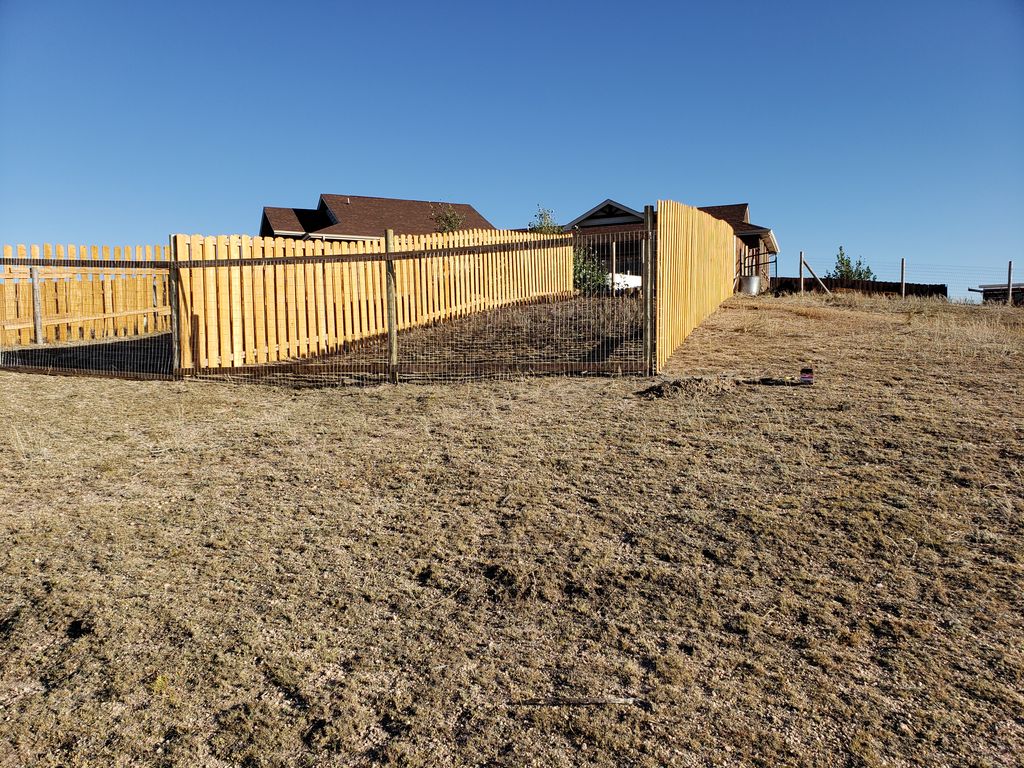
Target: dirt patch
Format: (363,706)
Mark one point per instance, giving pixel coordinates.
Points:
(695,385)
(598,334)
(545,572)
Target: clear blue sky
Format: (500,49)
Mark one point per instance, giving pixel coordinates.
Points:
(893,128)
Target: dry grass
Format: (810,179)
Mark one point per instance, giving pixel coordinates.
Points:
(546,572)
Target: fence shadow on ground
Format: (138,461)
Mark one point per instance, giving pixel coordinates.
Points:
(142,357)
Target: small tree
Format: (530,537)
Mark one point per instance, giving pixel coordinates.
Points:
(588,275)
(845,269)
(544,222)
(447,219)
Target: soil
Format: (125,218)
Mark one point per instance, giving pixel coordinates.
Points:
(699,570)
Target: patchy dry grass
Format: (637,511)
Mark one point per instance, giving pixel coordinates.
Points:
(549,572)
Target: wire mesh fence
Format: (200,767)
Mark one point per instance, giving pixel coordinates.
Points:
(537,305)
(476,304)
(96,311)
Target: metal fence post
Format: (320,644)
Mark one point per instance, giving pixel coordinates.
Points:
(1009,283)
(650,343)
(389,247)
(903,278)
(801,273)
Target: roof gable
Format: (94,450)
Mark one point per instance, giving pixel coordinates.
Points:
(291,221)
(607,213)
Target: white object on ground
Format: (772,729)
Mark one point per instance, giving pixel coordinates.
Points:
(624,282)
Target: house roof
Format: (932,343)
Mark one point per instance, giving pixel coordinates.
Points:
(610,215)
(293,221)
(737,215)
(607,213)
(355,216)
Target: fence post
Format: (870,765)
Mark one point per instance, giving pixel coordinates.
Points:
(37,307)
(172,299)
(801,273)
(903,278)
(650,343)
(1009,283)
(815,276)
(389,247)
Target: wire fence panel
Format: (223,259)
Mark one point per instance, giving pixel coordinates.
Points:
(464,305)
(95,310)
(459,305)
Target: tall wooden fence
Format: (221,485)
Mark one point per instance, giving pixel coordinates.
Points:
(251,301)
(696,270)
(55,294)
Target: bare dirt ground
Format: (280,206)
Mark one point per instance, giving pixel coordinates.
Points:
(549,572)
(600,333)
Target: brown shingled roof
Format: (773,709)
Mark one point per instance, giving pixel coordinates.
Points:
(737,213)
(284,221)
(738,217)
(357,216)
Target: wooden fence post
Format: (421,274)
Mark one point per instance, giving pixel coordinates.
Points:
(37,307)
(389,247)
(1009,284)
(903,278)
(801,273)
(172,299)
(815,276)
(650,343)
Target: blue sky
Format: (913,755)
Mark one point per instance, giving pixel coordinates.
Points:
(893,128)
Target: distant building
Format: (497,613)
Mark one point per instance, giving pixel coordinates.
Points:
(996,294)
(756,246)
(351,217)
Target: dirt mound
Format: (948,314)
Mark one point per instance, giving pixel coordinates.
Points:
(694,385)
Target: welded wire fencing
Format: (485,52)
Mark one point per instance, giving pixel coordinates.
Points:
(504,305)
(87,310)
(439,307)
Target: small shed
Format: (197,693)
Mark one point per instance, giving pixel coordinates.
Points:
(996,293)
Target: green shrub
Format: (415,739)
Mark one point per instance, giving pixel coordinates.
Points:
(588,274)
(544,222)
(447,219)
(845,269)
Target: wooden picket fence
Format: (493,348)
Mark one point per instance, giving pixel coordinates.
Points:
(252,301)
(82,293)
(696,271)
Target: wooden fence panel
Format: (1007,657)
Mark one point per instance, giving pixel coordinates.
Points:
(696,269)
(243,309)
(79,301)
